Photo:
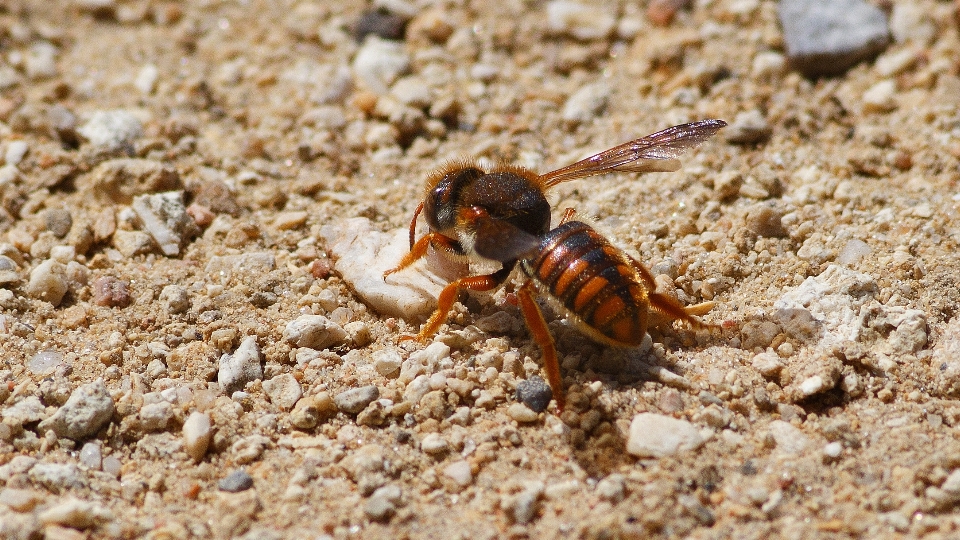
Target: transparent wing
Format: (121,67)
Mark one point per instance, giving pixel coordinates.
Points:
(501,241)
(656,152)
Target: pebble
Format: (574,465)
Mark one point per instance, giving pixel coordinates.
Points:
(236,482)
(91,455)
(655,435)
(131,243)
(586,103)
(88,409)
(363,254)
(356,399)
(146,81)
(521,413)
(197,435)
(25,411)
(766,220)
(879,98)
(535,393)
(749,127)
(952,483)
(112,131)
(912,22)
(381,24)
(156,416)
(48,282)
(16,150)
(165,218)
(109,291)
(241,367)
(175,299)
(41,60)
(21,500)
(379,62)
(379,508)
(768,364)
(579,21)
(387,363)
(612,488)
(283,390)
(45,362)
(833,450)
(434,444)
(523,507)
(460,472)
(56,476)
(308,412)
(789,439)
(413,91)
(768,64)
(76,514)
(828,38)
(8,271)
(314,332)
(853,251)
(424,362)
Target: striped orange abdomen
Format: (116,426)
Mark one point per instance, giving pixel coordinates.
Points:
(593,280)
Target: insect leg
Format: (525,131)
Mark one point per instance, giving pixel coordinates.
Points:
(419,249)
(667,305)
(541,334)
(449,295)
(567,216)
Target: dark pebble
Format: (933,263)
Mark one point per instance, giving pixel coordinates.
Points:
(58,221)
(236,482)
(534,393)
(381,24)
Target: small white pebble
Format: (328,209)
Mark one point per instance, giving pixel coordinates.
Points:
(434,444)
(459,472)
(833,450)
(521,413)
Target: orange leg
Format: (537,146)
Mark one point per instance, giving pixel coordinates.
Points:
(541,334)
(667,305)
(449,295)
(419,249)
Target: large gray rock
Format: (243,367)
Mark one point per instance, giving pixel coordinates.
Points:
(828,38)
(87,410)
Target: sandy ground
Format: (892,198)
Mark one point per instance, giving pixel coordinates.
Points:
(825,406)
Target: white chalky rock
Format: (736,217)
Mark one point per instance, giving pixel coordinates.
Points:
(314,332)
(197,435)
(85,412)
(112,130)
(241,367)
(283,390)
(379,62)
(363,255)
(656,435)
(48,282)
(165,218)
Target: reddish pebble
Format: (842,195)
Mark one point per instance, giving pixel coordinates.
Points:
(661,12)
(111,292)
(320,268)
(192,492)
(201,215)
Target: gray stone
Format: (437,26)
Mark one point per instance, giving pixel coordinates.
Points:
(535,393)
(56,476)
(356,399)
(828,38)
(236,481)
(89,408)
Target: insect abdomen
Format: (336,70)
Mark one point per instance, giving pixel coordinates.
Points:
(593,280)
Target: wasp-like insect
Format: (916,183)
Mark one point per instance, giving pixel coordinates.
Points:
(503,216)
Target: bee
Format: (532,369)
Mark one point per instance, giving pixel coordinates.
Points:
(503,216)
(606,293)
